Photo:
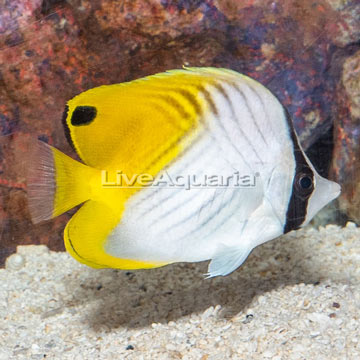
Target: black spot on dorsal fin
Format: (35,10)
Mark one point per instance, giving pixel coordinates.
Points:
(83,115)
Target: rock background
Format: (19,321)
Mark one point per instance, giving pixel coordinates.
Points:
(306,52)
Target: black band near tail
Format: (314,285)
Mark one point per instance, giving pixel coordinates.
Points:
(66,127)
(297,207)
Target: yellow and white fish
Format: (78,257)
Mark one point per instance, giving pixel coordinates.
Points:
(144,142)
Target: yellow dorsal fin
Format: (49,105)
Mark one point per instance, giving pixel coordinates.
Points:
(138,119)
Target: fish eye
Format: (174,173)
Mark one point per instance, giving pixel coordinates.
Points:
(83,115)
(304,184)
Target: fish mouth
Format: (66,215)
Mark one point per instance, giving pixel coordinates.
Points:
(337,190)
(333,188)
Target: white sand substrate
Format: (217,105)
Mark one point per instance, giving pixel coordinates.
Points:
(297,297)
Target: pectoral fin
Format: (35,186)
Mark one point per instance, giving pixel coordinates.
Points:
(227,260)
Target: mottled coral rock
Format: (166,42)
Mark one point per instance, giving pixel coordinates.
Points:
(346,161)
(50,50)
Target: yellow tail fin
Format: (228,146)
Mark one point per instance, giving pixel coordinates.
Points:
(56,183)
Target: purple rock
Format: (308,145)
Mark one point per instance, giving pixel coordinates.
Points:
(52,50)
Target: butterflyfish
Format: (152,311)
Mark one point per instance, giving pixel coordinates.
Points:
(182,166)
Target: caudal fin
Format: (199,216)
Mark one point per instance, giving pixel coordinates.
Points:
(55,182)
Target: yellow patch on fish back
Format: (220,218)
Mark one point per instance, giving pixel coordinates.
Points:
(136,121)
(140,128)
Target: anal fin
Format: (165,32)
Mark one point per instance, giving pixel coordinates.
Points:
(86,234)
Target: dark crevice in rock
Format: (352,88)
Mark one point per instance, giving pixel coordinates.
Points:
(320,152)
(47,6)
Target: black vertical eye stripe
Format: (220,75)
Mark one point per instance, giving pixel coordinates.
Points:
(297,208)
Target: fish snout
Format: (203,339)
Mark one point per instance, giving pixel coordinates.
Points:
(324,192)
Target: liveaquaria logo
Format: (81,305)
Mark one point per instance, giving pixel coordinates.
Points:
(118,179)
